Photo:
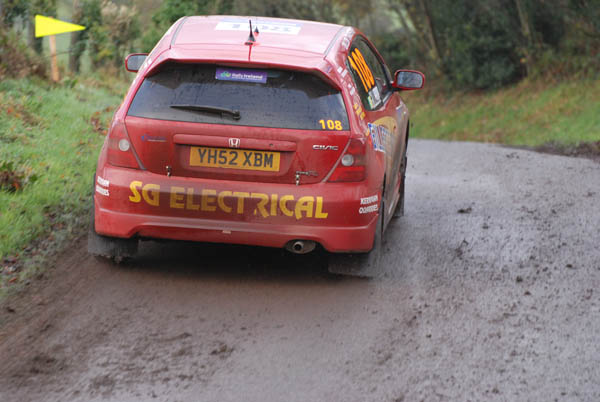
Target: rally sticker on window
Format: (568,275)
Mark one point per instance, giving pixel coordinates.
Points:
(280,27)
(228,74)
(374,94)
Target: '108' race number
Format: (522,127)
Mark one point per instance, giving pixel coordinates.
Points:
(331,124)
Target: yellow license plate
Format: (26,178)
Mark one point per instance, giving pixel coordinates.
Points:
(234,159)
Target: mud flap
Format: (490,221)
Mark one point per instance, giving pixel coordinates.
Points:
(364,265)
(115,249)
(399,210)
(112,248)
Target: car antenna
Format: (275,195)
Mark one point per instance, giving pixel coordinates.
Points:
(251,39)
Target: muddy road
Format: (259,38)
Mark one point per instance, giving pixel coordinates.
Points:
(491,292)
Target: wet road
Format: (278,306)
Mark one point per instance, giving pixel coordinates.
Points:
(490,293)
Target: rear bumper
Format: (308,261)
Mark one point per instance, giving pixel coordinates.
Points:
(139,203)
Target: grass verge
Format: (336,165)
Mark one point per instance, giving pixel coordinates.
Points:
(528,114)
(50,136)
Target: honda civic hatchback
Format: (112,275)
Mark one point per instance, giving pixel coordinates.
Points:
(266,132)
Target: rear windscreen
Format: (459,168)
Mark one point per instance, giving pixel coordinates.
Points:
(246,97)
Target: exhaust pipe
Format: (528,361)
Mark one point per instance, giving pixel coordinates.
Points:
(300,246)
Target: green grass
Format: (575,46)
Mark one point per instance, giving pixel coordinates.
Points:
(48,138)
(529,114)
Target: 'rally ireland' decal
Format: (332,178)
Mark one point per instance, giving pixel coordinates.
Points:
(229,74)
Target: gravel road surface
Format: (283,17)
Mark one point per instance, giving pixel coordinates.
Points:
(491,292)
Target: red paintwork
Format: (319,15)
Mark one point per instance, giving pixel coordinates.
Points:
(318,48)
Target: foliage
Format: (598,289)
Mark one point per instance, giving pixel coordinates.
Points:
(468,44)
(336,11)
(14,178)
(88,14)
(11,10)
(47,134)
(171,10)
(120,26)
(17,59)
(481,52)
(480,45)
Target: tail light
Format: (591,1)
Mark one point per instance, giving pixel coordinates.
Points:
(120,149)
(352,166)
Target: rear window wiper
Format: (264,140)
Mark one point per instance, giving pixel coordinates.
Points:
(235,114)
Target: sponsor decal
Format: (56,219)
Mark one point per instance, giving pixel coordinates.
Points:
(379,136)
(342,71)
(369,209)
(346,43)
(230,202)
(374,93)
(359,111)
(102,181)
(278,27)
(370,102)
(103,191)
(400,112)
(229,74)
(369,200)
(153,138)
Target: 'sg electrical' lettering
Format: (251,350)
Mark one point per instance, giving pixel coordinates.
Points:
(230,202)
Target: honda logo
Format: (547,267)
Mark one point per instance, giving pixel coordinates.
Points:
(234,143)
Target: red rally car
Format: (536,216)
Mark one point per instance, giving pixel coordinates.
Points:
(266,132)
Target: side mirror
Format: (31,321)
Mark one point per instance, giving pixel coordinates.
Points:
(134,61)
(408,80)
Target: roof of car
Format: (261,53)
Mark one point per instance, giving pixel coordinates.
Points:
(288,34)
(281,43)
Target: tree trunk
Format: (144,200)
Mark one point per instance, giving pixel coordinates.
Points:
(526,30)
(420,17)
(418,29)
(77,44)
(431,32)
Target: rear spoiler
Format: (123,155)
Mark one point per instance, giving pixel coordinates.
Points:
(175,56)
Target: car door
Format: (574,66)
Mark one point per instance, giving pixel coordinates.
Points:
(384,111)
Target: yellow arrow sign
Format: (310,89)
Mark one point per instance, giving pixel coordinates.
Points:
(45,26)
